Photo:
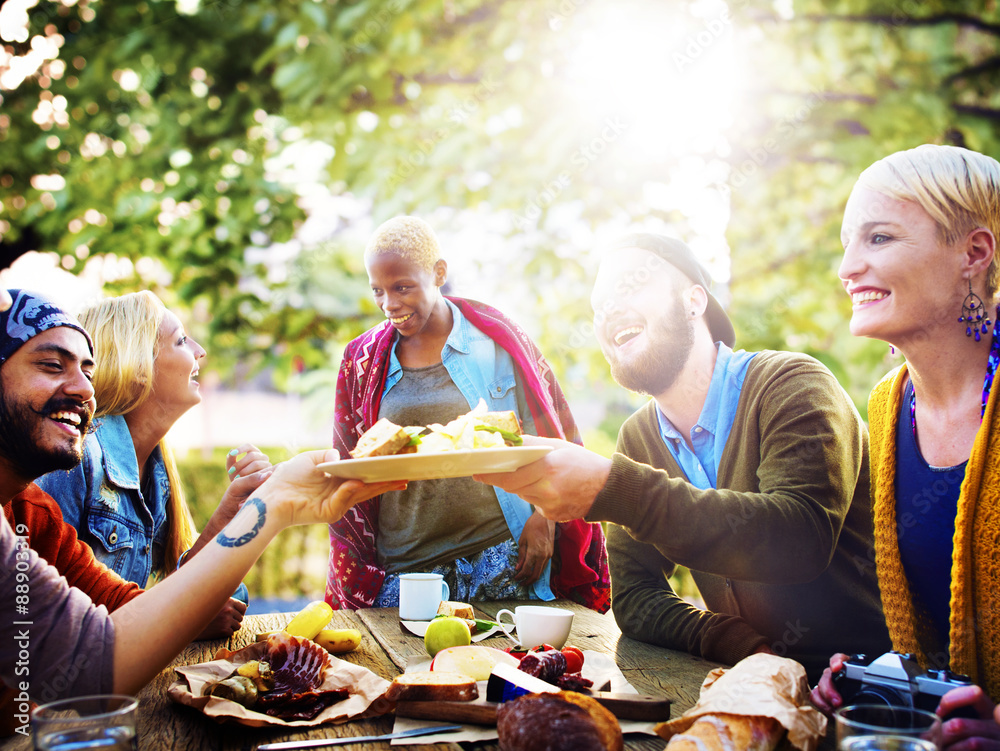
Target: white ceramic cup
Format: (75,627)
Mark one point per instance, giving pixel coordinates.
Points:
(537,624)
(420,595)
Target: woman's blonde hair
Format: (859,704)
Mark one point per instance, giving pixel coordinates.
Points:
(408,237)
(958,188)
(126,334)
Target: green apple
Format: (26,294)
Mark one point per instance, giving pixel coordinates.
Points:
(446,632)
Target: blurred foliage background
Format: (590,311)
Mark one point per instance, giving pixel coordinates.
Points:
(234,155)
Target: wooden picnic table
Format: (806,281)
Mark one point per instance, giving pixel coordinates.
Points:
(385,649)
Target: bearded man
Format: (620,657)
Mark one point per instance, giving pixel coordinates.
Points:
(749,468)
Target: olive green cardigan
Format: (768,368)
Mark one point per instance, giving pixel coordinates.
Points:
(781,551)
(974,631)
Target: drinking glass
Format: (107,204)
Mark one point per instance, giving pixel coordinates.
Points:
(882,727)
(105,721)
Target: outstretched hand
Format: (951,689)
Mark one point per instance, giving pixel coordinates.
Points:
(308,495)
(562,484)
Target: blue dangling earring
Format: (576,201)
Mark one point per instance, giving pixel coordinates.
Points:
(974,315)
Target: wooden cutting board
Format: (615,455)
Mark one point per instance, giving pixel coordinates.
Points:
(482,712)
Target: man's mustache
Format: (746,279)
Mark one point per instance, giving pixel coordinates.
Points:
(68,405)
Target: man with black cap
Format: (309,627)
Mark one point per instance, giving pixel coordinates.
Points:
(749,468)
(54,642)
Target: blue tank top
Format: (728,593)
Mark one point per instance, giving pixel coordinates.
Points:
(926,506)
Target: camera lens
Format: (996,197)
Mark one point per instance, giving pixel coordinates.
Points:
(879,698)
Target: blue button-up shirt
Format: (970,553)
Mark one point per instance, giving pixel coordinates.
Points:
(710,433)
(481,369)
(102,499)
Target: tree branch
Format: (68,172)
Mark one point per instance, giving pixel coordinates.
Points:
(990,64)
(902,19)
(987,113)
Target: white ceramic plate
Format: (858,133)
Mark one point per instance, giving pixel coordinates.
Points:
(436,466)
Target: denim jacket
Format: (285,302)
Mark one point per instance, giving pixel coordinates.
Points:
(480,369)
(102,499)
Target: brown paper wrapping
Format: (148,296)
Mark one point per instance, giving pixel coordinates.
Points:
(367,689)
(759,686)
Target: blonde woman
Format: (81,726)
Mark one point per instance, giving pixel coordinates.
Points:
(921,266)
(125,498)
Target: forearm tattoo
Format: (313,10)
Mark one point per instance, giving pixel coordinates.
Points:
(251,506)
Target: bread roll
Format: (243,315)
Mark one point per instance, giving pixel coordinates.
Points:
(566,721)
(725,732)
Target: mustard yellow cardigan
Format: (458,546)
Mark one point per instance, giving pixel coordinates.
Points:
(974,634)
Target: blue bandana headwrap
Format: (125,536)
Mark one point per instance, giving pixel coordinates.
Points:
(29,316)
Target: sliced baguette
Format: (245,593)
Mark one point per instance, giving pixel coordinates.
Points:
(424,685)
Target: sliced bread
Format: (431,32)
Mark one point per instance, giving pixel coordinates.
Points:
(424,685)
(384,438)
(457,609)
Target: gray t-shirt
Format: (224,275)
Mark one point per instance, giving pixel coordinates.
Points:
(54,642)
(433,521)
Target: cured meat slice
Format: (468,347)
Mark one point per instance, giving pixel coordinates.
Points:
(299,665)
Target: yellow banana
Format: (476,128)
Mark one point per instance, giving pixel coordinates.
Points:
(338,640)
(308,622)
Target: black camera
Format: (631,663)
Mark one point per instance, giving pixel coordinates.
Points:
(896,680)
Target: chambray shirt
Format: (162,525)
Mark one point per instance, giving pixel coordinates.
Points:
(710,433)
(102,499)
(481,369)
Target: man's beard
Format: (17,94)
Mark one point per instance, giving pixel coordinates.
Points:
(668,347)
(20,425)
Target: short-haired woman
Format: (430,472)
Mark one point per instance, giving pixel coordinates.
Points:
(921,267)
(431,360)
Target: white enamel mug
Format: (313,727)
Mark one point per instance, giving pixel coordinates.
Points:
(420,595)
(537,624)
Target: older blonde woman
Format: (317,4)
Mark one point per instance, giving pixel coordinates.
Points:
(125,498)
(921,267)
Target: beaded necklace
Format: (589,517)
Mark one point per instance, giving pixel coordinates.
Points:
(991,368)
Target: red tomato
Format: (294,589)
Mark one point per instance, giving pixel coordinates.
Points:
(518,652)
(574,659)
(543,648)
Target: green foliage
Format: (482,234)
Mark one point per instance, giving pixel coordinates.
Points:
(172,130)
